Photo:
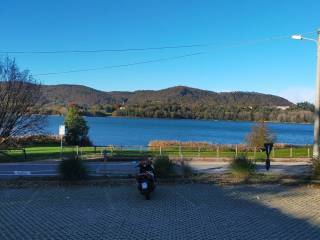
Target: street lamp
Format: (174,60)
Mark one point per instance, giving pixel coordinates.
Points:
(316,132)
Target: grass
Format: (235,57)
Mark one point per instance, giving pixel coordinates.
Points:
(194,152)
(42,152)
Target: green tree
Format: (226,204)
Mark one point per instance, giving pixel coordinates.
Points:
(76,127)
(260,134)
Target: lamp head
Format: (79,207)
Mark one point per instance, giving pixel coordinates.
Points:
(296,37)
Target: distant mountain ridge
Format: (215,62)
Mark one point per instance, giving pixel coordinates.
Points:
(87,97)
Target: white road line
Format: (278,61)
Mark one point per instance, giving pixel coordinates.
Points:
(55,164)
(37,174)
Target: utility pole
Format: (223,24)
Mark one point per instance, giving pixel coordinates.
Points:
(316,133)
(317,105)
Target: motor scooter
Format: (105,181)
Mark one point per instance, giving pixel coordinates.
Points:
(146,178)
(146,184)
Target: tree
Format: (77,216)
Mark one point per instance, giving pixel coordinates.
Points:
(20,97)
(305,106)
(76,127)
(260,134)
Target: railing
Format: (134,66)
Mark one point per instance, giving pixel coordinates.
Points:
(134,152)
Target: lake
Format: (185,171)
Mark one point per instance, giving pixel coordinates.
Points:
(139,131)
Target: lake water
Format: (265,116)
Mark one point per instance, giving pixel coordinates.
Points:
(134,131)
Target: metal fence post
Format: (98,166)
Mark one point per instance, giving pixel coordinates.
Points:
(236,150)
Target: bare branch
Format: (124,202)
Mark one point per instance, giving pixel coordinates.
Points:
(20,95)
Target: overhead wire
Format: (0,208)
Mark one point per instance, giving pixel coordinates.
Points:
(141,49)
(120,65)
(238,44)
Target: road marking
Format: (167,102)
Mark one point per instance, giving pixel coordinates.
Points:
(28,164)
(55,164)
(37,174)
(22,173)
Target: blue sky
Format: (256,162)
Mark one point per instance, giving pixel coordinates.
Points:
(283,67)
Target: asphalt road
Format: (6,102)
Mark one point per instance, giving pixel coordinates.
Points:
(50,168)
(289,168)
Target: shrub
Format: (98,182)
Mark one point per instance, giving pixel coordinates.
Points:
(162,166)
(72,169)
(242,166)
(316,168)
(186,170)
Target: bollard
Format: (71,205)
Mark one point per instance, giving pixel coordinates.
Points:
(308,152)
(77,150)
(255,152)
(180,153)
(218,154)
(291,152)
(24,154)
(236,150)
(199,151)
(160,151)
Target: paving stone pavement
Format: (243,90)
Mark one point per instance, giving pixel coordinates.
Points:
(181,211)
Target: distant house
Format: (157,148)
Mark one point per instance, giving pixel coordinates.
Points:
(283,107)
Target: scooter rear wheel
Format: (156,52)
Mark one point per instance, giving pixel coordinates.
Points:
(147,195)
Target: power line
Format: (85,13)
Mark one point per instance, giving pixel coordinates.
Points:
(105,50)
(243,43)
(150,48)
(121,65)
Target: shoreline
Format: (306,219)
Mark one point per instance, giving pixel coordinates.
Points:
(189,119)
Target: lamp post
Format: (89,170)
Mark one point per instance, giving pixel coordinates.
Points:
(316,132)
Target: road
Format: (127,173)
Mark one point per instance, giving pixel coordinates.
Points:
(288,168)
(50,168)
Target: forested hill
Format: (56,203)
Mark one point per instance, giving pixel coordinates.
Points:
(175,102)
(88,97)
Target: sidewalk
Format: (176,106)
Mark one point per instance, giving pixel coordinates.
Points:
(285,168)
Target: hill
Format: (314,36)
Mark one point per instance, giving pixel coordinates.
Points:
(88,97)
(175,102)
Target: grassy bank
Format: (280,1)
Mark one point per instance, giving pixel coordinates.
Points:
(43,152)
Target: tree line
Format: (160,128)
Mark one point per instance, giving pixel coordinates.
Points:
(300,113)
